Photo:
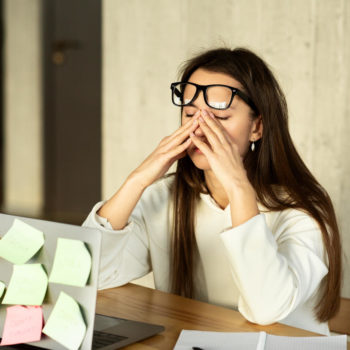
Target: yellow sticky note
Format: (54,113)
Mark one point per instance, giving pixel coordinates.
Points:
(27,286)
(66,324)
(20,243)
(72,263)
(2,288)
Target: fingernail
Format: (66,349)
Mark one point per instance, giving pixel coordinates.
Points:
(195,122)
(204,112)
(197,113)
(211,115)
(201,119)
(191,134)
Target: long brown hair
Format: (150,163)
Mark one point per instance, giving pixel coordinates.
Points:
(274,165)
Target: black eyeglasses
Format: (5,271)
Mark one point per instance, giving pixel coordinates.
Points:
(216,96)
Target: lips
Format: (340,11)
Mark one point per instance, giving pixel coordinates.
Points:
(196,149)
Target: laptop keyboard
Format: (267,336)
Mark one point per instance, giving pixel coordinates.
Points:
(101,339)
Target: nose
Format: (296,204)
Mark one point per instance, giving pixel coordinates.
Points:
(200,104)
(198,132)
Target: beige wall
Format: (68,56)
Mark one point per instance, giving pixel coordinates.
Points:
(145,41)
(304,41)
(22,108)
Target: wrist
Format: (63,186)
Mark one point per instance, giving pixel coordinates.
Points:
(136,181)
(241,188)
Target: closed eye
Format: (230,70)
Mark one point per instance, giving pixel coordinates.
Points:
(216,116)
(221,118)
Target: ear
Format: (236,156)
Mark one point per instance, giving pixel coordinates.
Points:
(257,129)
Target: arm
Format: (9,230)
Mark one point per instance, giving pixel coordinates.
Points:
(124,253)
(275,272)
(125,249)
(118,209)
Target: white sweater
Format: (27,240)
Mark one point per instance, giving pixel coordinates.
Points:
(270,267)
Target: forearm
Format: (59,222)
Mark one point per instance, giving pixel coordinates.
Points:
(243,203)
(118,209)
(275,276)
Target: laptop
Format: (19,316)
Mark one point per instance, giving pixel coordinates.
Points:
(102,332)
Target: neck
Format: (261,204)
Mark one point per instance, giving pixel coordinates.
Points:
(215,188)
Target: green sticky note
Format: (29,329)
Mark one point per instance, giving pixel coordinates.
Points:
(27,286)
(2,288)
(20,243)
(66,324)
(72,263)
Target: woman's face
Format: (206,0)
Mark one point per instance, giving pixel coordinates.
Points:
(236,120)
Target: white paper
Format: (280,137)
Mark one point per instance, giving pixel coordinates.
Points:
(255,341)
(337,342)
(217,340)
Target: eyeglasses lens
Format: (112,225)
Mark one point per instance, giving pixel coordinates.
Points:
(183,93)
(218,97)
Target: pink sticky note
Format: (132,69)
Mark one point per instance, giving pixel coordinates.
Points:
(23,324)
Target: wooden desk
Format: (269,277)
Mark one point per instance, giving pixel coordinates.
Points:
(176,313)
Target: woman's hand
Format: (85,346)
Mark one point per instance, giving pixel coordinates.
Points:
(221,152)
(170,149)
(227,165)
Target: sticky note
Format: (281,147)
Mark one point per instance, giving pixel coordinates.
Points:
(20,242)
(23,324)
(66,324)
(2,288)
(72,263)
(27,286)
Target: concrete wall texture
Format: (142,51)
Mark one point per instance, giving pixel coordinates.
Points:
(144,41)
(305,42)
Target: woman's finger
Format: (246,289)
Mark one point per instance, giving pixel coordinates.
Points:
(175,152)
(209,134)
(202,146)
(185,127)
(181,137)
(216,126)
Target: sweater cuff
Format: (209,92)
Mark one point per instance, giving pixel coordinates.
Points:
(95,220)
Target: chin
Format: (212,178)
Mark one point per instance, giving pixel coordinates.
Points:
(200,161)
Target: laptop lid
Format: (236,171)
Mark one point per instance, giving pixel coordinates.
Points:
(102,332)
(85,296)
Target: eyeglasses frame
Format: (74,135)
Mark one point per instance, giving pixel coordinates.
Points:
(204,88)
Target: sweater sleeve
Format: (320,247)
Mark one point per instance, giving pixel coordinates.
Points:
(278,268)
(124,253)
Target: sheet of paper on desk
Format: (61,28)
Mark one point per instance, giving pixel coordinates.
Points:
(72,263)
(255,341)
(27,286)
(21,242)
(23,324)
(66,324)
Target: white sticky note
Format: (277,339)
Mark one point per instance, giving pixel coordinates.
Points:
(21,242)
(66,324)
(72,263)
(27,286)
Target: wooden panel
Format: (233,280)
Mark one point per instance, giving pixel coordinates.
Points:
(341,322)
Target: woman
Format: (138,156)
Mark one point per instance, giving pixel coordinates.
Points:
(242,223)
